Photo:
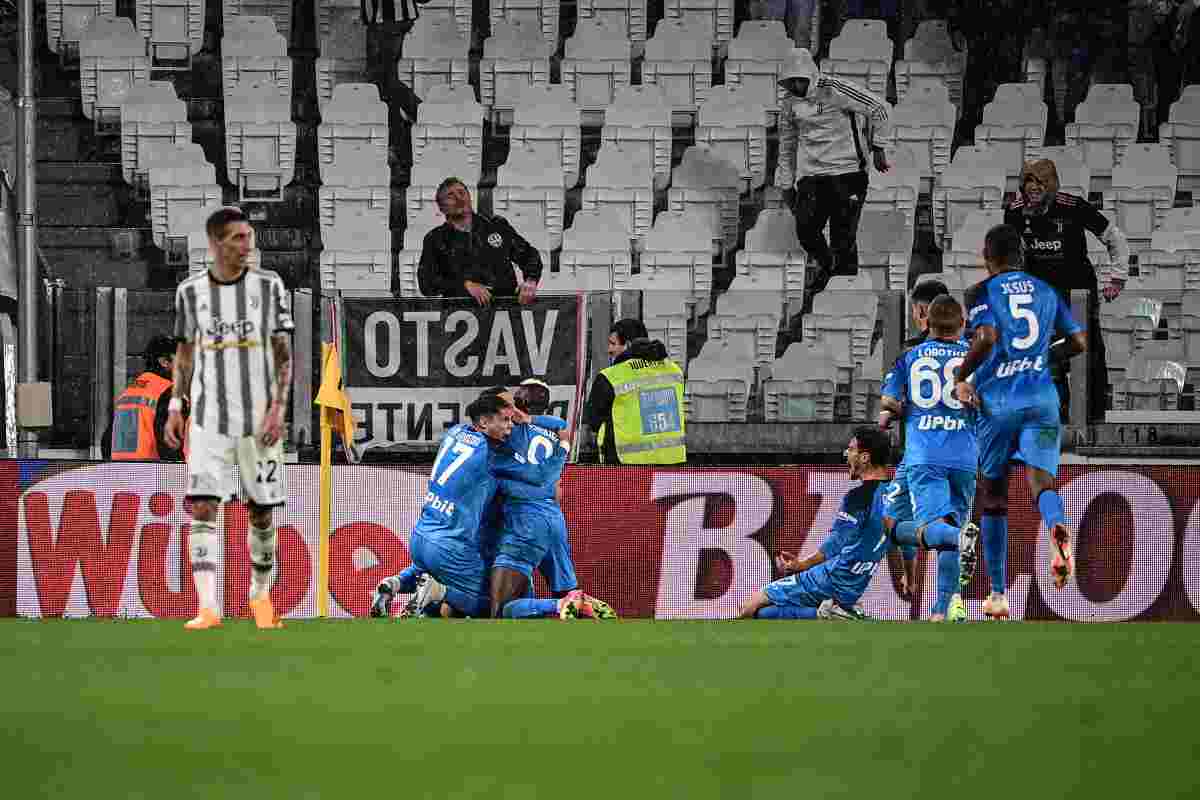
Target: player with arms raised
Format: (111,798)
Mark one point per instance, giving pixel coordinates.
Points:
(234,361)
(1014,317)
(940,455)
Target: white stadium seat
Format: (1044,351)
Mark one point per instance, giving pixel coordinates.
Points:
(176,188)
(802,385)
(596,65)
(252,50)
(66,20)
(930,56)
(528,184)
(705,181)
(357,183)
(1142,192)
(435,53)
(677,257)
(112,62)
(623,181)
(595,254)
(679,61)
(542,14)
(515,57)
(342,39)
(280,12)
(547,120)
(1015,124)
(719,381)
(260,141)
(356,254)
(640,119)
(758,55)
(885,244)
(1181,133)
(1105,125)
(772,260)
(628,14)
(862,53)
(734,125)
(354,115)
(410,255)
(715,16)
(898,188)
(974,180)
(151,116)
(925,121)
(174,29)
(448,113)
(965,258)
(843,316)
(456,11)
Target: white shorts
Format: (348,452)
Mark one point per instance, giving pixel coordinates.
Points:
(212,457)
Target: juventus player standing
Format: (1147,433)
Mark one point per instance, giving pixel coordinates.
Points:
(234,356)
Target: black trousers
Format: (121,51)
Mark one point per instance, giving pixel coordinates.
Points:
(838,200)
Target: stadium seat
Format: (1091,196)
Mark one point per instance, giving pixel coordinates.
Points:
(964,256)
(705,181)
(515,57)
(1142,192)
(1167,263)
(354,115)
(862,53)
(357,183)
(439,161)
(595,254)
(66,21)
(772,260)
(885,244)
(112,62)
(260,141)
(596,65)
(529,184)
(843,316)
(975,179)
(715,16)
(1133,394)
(640,119)
(542,14)
(758,55)
(719,381)
(679,61)
(898,188)
(435,53)
(735,126)
(151,117)
(252,50)
(802,386)
(342,39)
(1127,325)
(629,15)
(1181,134)
(1183,220)
(410,255)
(547,121)
(533,229)
(1074,175)
(280,12)
(666,316)
(1015,124)
(750,315)
(176,188)
(677,257)
(174,29)
(356,254)
(458,11)
(930,57)
(925,121)
(622,179)
(165,153)
(1105,125)
(448,113)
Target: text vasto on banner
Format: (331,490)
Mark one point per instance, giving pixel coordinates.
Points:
(412,365)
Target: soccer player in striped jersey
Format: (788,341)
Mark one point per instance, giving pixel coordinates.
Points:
(234,363)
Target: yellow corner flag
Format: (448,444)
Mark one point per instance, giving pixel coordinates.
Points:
(335,415)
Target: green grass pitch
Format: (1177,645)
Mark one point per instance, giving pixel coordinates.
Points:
(499,710)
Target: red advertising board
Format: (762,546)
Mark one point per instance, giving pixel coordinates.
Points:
(107,540)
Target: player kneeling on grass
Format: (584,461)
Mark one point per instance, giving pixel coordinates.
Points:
(828,583)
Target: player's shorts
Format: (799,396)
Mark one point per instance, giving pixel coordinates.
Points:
(558,567)
(802,590)
(1031,435)
(212,458)
(529,532)
(939,492)
(458,568)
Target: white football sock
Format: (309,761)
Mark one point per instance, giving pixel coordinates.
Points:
(202,547)
(261,542)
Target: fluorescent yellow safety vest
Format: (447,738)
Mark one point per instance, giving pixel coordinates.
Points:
(647,413)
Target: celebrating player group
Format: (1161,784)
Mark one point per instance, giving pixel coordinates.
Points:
(976,394)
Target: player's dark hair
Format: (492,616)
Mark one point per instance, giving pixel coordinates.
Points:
(485,406)
(945,315)
(493,391)
(876,442)
(629,329)
(925,291)
(159,347)
(1003,244)
(216,222)
(532,398)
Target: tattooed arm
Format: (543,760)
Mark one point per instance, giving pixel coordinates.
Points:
(281,347)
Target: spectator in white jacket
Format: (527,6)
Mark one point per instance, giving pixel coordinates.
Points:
(827,128)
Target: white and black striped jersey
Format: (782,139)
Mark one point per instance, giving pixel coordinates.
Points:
(231,325)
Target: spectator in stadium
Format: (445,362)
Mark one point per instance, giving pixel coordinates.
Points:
(473,254)
(136,430)
(1053,224)
(636,404)
(826,128)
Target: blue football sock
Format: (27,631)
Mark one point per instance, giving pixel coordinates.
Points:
(905,533)
(408,579)
(947,579)
(940,535)
(787,612)
(1051,507)
(995,549)
(530,608)
(908,551)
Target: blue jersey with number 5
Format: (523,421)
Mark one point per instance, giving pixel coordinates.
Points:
(530,462)
(1026,313)
(461,487)
(937,430)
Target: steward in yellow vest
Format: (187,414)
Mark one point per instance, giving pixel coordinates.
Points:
(637,406)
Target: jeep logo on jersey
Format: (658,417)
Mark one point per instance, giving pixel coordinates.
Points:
(494,240)
(241,328)
(1046,246)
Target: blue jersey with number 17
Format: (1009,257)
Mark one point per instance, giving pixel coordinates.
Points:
(461,487)
(937,430)
(1026,313)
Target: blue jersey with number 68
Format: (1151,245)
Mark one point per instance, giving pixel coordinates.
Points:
(461,486)
(937,429)
(1026,313)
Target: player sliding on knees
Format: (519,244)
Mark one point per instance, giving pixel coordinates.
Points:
(940,452)
(1014,317)
(829,583)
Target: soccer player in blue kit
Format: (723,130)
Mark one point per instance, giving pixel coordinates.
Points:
(940,454)
(829,583)
(1014,318)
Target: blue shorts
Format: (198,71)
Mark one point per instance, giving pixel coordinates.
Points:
(464,573)
(1032,435)
(896,503)
(800,590)
(558,567)
(939,492)
(529,533)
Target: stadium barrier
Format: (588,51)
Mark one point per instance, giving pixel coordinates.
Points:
(84,539)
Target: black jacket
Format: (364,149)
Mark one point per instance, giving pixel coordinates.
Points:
(598,410)
(485,255)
